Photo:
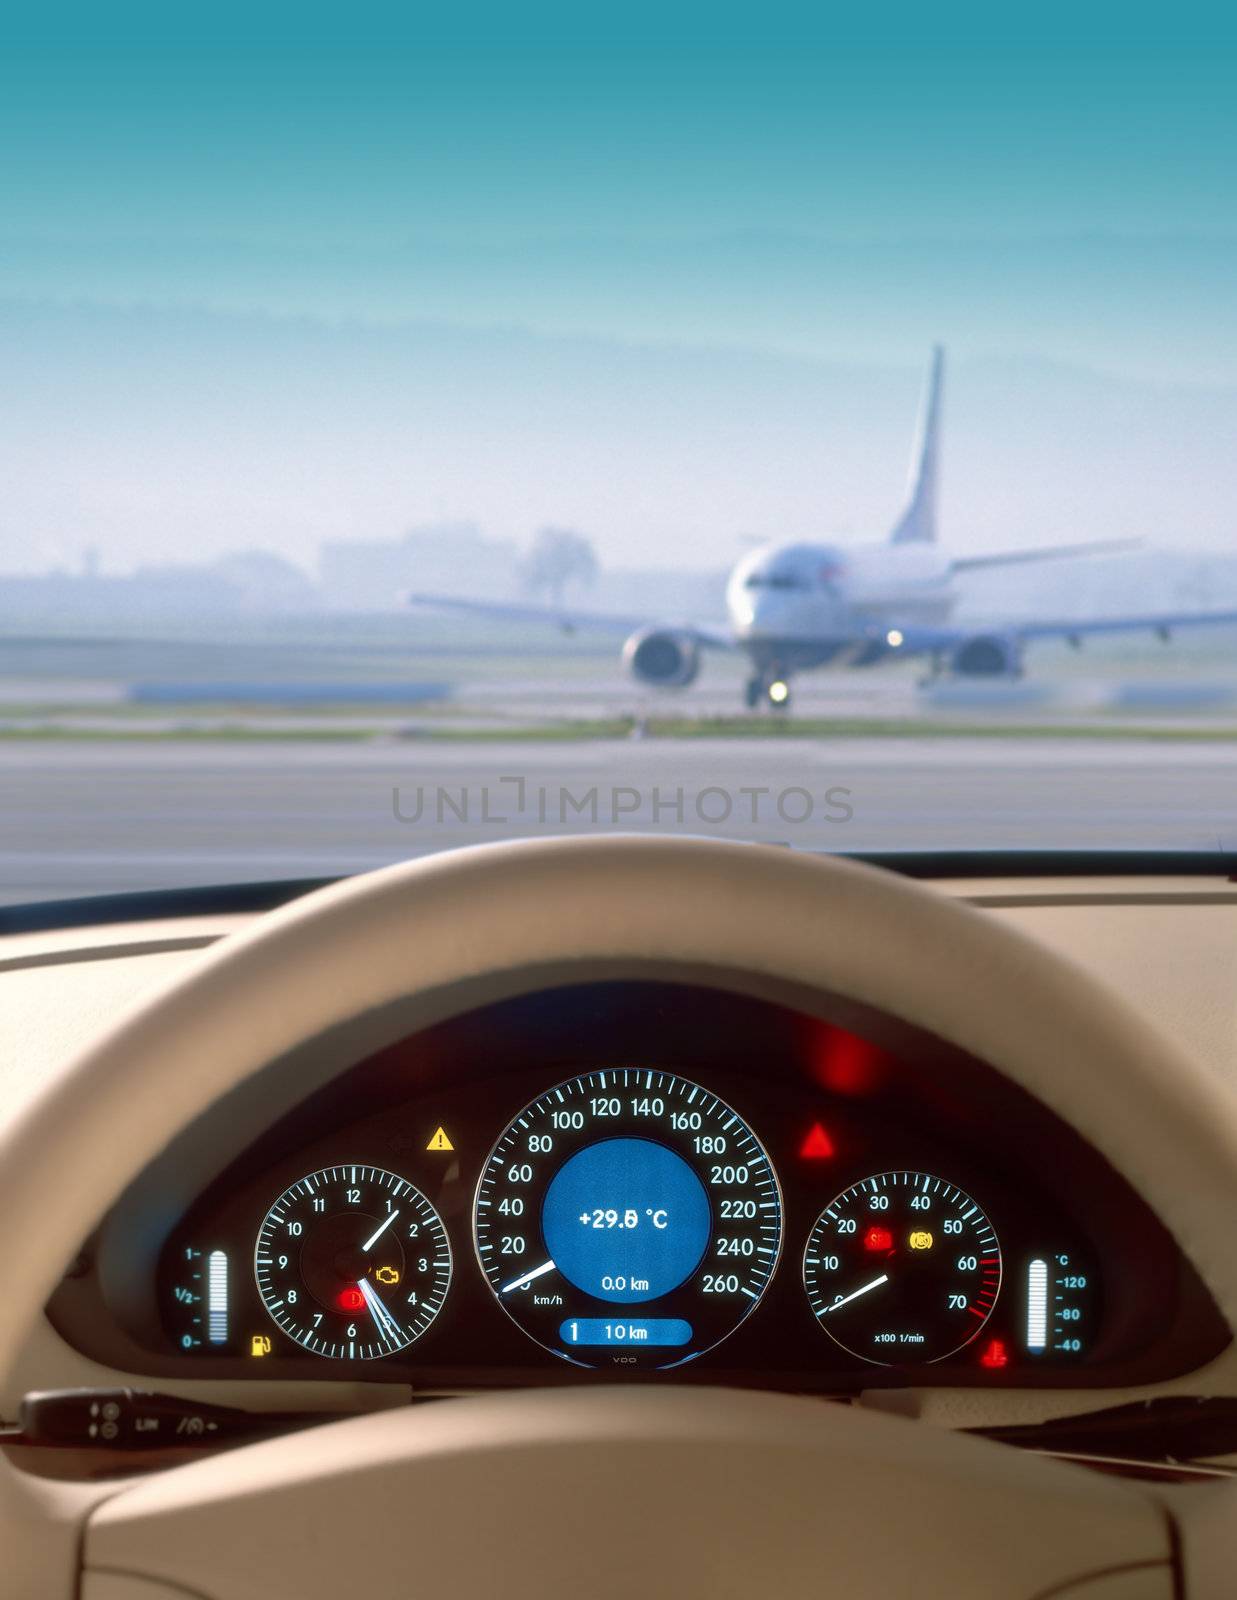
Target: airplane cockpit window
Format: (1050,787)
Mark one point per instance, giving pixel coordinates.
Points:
(777,580)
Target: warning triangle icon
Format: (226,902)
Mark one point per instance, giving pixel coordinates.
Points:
(817,1145)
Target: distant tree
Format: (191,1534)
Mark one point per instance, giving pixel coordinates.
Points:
(559,557)
(264,580)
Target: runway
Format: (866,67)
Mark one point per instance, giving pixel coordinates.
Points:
(95,817)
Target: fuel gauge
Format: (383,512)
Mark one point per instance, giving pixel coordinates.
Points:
(199,1312)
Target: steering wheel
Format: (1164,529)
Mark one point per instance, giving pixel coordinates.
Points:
(623,1490)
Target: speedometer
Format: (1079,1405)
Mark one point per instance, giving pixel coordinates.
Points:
(628,1218)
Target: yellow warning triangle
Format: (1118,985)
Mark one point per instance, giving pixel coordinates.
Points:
(440,1141)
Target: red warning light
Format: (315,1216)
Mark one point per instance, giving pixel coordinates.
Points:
(845,1064)
(878,1239)
(817,1145)
(350,1300)
(995,1354)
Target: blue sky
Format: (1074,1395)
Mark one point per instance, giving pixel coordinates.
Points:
(260,137)
(1059,188)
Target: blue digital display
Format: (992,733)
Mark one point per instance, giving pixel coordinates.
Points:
(602,1330)
(626,1220)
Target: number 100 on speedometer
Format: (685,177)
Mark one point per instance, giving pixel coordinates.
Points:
(628,1218)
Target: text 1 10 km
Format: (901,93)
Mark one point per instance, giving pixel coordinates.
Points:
(602,1331)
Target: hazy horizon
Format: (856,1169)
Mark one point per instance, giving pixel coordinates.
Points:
(670,278)
(165,433)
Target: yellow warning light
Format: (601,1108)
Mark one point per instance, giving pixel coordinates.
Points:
(387,1274)
(260,1344)
(440,1141)
(921,1239)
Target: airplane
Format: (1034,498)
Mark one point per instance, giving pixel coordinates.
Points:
(795,607)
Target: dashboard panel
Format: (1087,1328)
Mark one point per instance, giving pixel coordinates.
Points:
(628,1178)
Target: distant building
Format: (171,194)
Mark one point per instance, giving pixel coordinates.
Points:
(447,557)
(71,599)
(249,580)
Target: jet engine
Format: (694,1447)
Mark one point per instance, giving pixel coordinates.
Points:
(987,655)
(664,657)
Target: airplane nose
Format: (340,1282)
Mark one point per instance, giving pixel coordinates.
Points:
(757,608)
(767,613)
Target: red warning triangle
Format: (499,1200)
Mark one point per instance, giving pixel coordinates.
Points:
(817,1145)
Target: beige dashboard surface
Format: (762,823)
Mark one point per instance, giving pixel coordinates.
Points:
(1168,946)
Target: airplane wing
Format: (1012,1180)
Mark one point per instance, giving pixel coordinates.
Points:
(917,639)
(1050,552)
(716,636)
(1162,622)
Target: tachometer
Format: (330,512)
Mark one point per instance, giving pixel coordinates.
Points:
(353,1262)
(902,1267)
(629,1218)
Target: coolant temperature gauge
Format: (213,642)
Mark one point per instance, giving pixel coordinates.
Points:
(1058,1306)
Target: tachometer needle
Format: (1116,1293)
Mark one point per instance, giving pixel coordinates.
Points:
(518,1283)
(386,1323)
(374,1237)
(854,1295)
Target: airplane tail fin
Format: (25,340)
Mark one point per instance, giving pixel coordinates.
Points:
(917,524)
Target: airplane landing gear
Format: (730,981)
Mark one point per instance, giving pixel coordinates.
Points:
(936,671)
(778,694)
(770,689)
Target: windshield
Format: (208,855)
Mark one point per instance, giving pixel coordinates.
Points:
(747,428)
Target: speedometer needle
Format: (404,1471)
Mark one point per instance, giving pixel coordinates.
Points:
(382,1228)
(518,1283)
(854,1295)
(386,1323)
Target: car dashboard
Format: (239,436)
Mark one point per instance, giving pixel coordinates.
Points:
(840,1107)
(637,1179)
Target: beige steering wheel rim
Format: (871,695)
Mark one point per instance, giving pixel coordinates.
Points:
(447,920)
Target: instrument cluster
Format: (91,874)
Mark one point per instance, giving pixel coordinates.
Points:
(627,1178)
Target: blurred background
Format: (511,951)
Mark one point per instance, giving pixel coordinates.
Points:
(301,311)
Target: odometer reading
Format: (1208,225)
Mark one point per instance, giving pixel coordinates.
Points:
(902,1268)
(628,1218)
(353,1262)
